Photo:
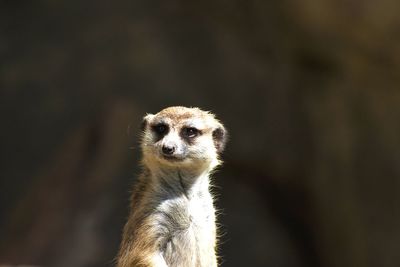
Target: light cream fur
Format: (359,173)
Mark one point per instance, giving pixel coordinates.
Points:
(172,221)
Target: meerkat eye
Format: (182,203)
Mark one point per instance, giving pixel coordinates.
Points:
(160,128)
(191,132)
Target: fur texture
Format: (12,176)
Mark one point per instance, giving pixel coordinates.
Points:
(172,220)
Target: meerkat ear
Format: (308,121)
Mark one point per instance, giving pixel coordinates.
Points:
(220,136)
(145,121)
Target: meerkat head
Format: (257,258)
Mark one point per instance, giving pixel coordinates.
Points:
(182,137)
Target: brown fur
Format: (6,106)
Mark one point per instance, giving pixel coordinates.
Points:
(172,219)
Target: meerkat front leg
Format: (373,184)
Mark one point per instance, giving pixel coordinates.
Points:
(158,260)
(139,256)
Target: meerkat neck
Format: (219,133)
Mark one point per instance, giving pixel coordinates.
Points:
(176,181)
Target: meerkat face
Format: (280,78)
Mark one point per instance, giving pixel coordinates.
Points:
(179,136)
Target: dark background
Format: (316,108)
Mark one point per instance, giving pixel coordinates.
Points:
(309,90)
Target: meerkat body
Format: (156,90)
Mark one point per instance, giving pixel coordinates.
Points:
(172,219)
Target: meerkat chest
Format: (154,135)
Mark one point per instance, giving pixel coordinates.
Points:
(202,216)
(191,231)
(194,216)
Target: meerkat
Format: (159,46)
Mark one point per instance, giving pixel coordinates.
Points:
(172,220)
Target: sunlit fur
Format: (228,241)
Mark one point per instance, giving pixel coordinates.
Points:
(172,219)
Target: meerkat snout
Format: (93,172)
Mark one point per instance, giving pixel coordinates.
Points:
(168,149)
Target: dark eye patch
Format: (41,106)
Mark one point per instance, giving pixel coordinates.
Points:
(190,132)
(160,129)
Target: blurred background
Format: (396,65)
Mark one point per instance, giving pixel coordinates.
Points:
(309,91)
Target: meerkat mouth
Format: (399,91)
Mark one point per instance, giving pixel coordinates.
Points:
(173,158)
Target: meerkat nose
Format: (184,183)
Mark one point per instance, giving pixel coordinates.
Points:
(168,150)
